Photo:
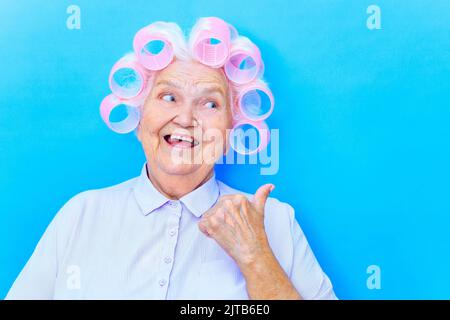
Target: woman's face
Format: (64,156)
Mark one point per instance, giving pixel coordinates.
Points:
(185,118)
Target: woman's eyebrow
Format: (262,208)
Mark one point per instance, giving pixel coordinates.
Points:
(214,89)
(167,83)
(205,90)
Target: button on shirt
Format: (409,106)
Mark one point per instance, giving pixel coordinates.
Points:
(129,241)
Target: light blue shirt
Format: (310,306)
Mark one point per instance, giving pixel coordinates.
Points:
(128,241)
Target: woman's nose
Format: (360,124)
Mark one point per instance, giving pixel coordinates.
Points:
(185,117)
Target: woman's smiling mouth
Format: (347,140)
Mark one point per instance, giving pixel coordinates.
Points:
(181,141)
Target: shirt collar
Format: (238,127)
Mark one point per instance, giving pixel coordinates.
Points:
(203,198)
(197,201)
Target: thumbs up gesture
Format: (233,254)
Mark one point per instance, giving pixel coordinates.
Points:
(237,225)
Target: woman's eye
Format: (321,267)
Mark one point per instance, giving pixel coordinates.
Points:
(211,105)
(168,98)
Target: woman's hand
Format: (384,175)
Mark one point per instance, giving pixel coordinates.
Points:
(237,225)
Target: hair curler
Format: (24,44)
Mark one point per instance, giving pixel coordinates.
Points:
(127,78)
(244,63)
(255,102)
(152,49)
(211,41)
(233,32)
(132,108)
(249,137)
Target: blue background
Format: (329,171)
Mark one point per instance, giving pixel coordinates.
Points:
(363,117)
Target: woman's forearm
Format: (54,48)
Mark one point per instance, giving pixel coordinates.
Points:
(266,280)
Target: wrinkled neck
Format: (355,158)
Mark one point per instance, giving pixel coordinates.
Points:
(177,186)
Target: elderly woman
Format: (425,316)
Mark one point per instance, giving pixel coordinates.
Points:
(175,231)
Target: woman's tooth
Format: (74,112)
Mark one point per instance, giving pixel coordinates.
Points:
(182,138)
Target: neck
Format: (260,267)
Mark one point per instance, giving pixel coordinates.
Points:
(176,186)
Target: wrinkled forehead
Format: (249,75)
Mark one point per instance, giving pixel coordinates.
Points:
(193,76)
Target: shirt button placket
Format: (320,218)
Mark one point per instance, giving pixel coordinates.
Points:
(167,260)
(162,282)
(169,252)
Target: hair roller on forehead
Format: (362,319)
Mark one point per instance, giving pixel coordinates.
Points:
(156,44)
(212,42)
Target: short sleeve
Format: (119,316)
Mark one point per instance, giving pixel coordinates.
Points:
(37,278)
(306,274)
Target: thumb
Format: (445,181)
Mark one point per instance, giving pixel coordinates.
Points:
(261,195)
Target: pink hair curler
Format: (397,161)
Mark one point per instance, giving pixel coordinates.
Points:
(127,78)
(132,108)
(211,45)
(233,32)
(244,63)
(257,133)
(152,49)
(256,102)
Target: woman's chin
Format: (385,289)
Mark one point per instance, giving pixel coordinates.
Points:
(179,169)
